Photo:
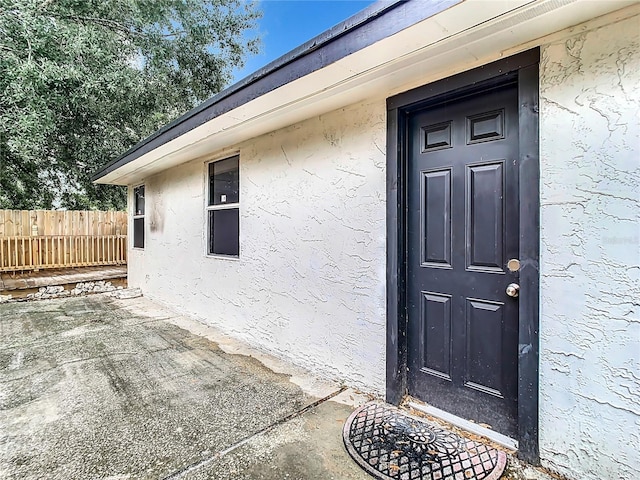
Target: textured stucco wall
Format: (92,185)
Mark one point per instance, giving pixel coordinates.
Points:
(590,253)
(310,282)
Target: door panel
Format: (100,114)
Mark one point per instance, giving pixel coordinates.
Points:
(436,198)
(462,228)
(485,217)
(484,340)
(436,334)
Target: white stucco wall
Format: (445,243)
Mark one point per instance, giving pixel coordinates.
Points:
(590,253)
(310,282)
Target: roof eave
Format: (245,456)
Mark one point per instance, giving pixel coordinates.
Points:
(357,32)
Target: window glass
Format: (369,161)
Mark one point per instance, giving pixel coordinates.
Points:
(138,193)
(224,232)
(224,182)
(138,232)
(138,217)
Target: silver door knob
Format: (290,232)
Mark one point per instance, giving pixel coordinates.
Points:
(513,289)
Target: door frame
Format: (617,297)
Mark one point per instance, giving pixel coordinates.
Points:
(522,68)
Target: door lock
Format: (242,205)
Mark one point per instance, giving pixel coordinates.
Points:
(513,289)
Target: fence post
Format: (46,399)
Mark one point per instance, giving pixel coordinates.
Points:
(34,252)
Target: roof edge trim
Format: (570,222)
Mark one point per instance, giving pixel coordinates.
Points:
(357,32)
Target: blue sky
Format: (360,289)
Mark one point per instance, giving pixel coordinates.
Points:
(289,23)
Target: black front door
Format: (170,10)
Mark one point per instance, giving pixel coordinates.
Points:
(462,231)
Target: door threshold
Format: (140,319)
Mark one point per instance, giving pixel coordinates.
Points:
(499,438)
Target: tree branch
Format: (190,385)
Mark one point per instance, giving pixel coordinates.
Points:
(175,34)
(103,22)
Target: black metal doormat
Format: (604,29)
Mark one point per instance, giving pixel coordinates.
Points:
(393,445)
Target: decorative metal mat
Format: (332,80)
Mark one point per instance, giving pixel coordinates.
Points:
(393,445)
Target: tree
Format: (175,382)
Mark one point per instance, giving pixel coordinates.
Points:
(81,81)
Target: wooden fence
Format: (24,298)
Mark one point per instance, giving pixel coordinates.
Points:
(38,239)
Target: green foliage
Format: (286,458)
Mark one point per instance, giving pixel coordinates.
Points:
(81,81)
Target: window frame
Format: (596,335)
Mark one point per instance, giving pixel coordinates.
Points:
(135,216)
(225,206)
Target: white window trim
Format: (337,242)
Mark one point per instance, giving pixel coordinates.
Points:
(134,217)
(224,206)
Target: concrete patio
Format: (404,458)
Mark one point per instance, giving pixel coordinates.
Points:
(91,388)
(96,387)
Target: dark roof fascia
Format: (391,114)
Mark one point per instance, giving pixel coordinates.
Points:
(374,23)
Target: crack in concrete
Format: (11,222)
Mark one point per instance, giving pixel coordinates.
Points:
(219,454)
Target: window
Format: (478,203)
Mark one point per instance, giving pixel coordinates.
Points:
(138,217)
(223,208)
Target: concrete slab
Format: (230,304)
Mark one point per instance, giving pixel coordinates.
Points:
(90,389)
(308,447)
(97,387)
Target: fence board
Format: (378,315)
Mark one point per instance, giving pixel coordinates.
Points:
(18,253)
(37,239)
(24,223)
